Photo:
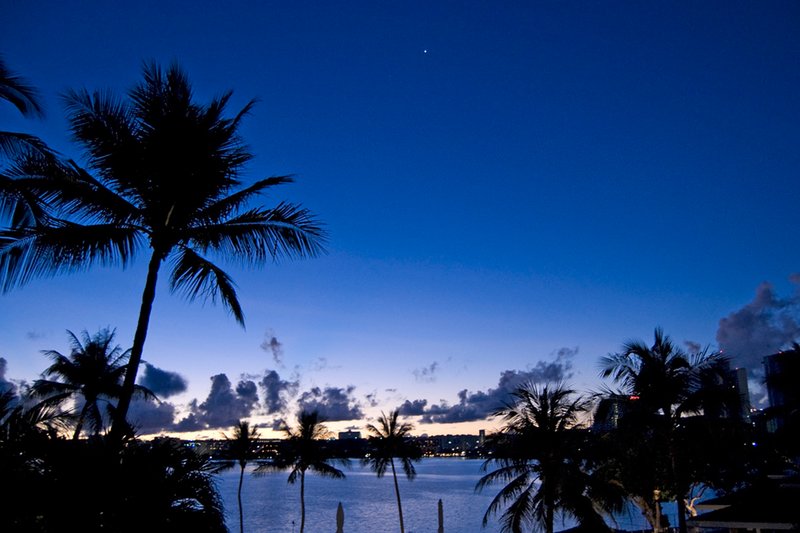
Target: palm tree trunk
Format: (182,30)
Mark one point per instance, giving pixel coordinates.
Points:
(680,495)
(302,501)
(148,296)
(79,427)
(397,491)
(241,521)
(549,504)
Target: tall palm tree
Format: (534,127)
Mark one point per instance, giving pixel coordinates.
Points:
(240,449)
(167,180)
(388,440)
(670,384)
(91,373)
(538,455)
(304,451)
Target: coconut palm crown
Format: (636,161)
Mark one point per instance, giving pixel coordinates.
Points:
(91,374)
(539,456)
(163,176)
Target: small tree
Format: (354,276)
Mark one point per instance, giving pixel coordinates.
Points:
(240,450)
(670,384)
(539,455)
(388,440)
(304,451)
(92,374)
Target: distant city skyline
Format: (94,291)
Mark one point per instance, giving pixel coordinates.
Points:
(511,192)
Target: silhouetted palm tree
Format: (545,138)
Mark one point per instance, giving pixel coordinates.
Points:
(539,456)
(304,451)
(240,450)
(668,384)
(388,441)
(168,180)
(92,373)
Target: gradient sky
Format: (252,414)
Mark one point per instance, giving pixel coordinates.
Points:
(512,190)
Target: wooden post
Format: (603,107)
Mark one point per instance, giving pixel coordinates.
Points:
(340,519)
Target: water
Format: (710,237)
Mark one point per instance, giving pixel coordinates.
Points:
(271,505)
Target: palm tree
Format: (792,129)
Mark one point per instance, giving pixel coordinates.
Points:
(669,384)
(538,455)
(387,442)
(304,451)
(168,180)
(240,449)
(92,372)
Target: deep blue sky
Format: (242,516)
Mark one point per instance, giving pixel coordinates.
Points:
(500,182)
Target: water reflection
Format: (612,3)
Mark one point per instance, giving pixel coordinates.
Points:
(271,505)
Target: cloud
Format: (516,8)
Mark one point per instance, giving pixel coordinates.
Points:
(415,408)
(693,347)
(277,392)
(372,399)
(333,403)
(162,382)
(221,409)
(481,405)
(426,374)
(223,406)
(151,417)
(321,363)
(762,327)
(5,385)
(35,335)
(273,346)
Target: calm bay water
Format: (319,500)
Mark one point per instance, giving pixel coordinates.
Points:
(271,505)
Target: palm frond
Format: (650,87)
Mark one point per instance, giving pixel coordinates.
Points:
(14,145)
(101,123)
(260,235)
(324,469)
(20,93)
(222,208)
(196,276)
(64,189)
(31,252)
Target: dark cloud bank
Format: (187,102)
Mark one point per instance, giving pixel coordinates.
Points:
(265,394)
(333,403)
(763,327)
(479,405)
(268,394)
(224,405)
(162,383)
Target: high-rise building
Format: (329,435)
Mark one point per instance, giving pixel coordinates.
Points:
(782,373)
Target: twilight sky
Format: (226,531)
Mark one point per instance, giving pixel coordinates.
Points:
(511,192)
